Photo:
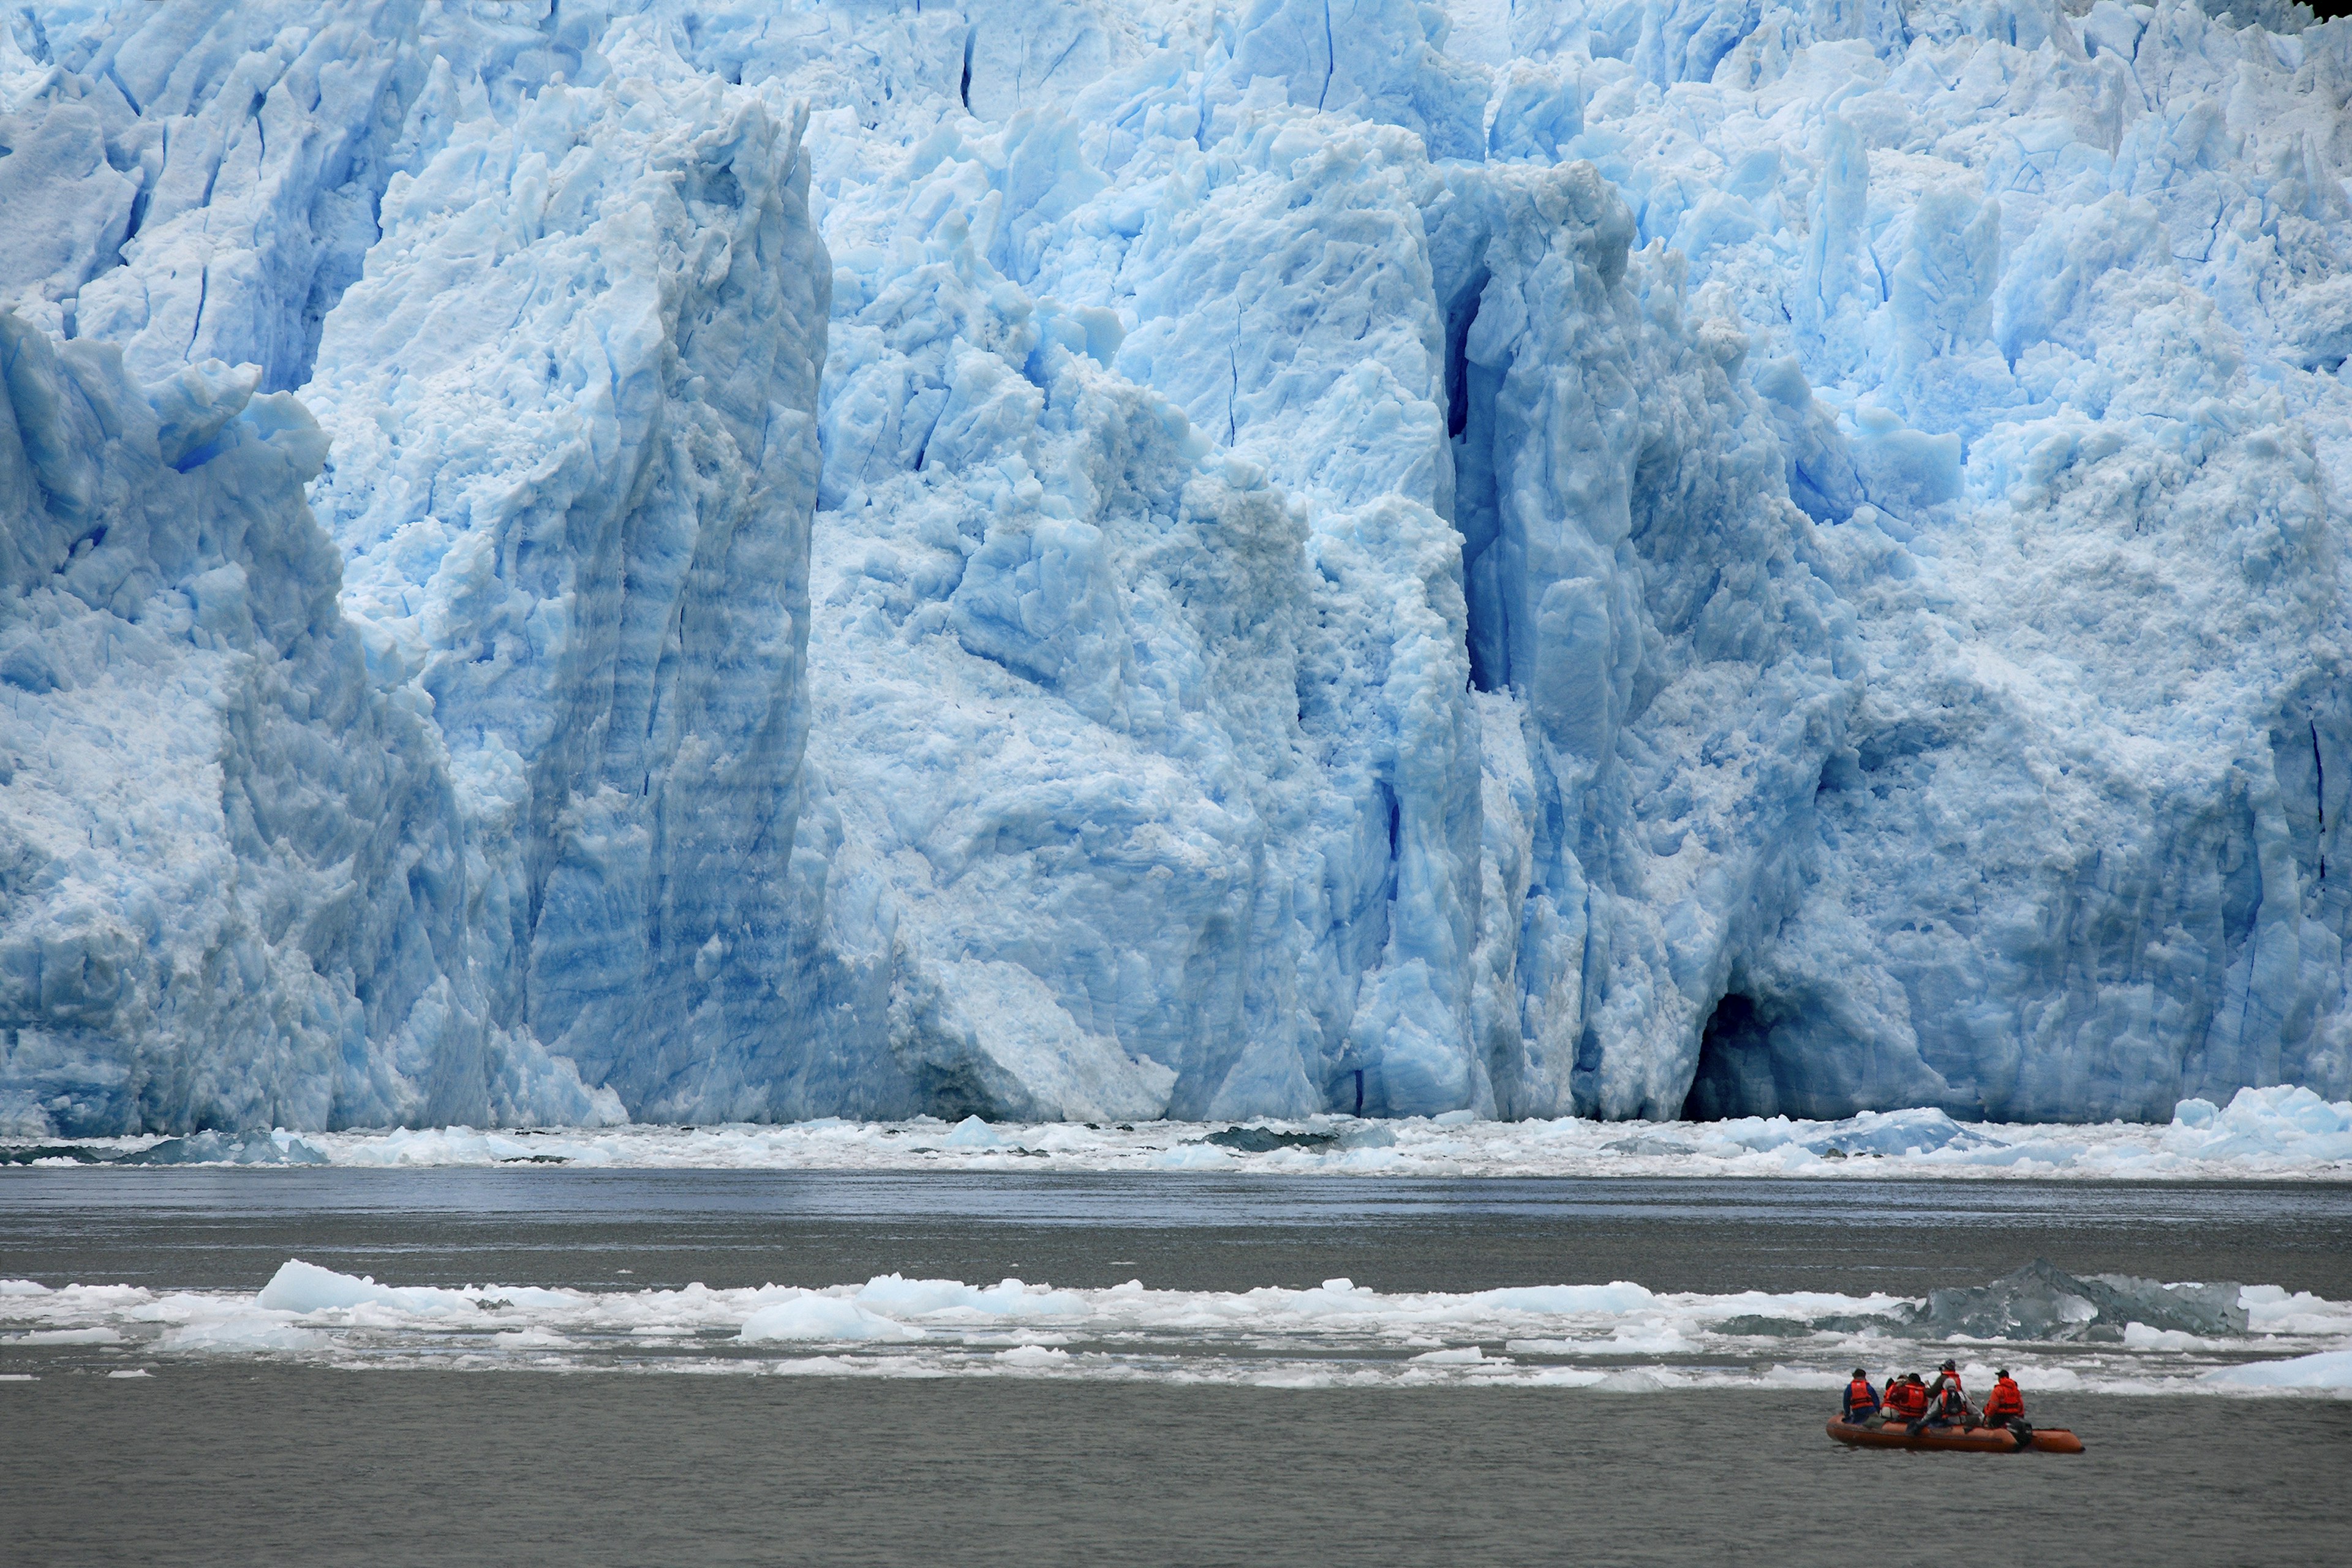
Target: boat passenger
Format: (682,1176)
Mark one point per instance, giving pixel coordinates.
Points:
(1906,1397)
(1861,1403)
(1947,1402)
(2005,1405)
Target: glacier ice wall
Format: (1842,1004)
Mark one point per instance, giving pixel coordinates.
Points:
(234,892)
(572,583)
(1640,557)
(575,454)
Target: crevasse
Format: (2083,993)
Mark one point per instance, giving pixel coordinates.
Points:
(1085,561)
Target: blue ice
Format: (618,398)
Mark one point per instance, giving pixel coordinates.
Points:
(1087,561)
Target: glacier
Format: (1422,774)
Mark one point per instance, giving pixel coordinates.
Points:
(759,560)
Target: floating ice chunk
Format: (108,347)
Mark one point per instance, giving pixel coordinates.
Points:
(919,1298)
(1754,1325)
(973,1132)
(1893,1133)
(1618,1296)
(2283,1124)
(2272,1311)
(1633,1381)
(2326,1370)
(2041,1301)
(2138,1336)
(240,1336)
(1647,1143)
(2037,1302)
(921,1327)
(304,1288)
(814,1317)
(217,1148)
(299,1286)
(1781,1376)
(1266,1140)
(1567,1146)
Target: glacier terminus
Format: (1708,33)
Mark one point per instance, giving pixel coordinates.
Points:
(708,560)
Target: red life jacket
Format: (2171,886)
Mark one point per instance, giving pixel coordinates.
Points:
(1908,1399)
(2005,1400)
(1860,1399)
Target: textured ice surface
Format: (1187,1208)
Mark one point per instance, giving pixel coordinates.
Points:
(2321,1371)
(571,403)
(2042,1302)
(2301,1140)
(233,879)
(1617,1337)
(216,1147)
(1065,560)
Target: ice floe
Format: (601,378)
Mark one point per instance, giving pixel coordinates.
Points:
(1618,1337)
(2266,1133)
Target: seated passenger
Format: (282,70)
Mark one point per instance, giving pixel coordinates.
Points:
(1906,1399)
(1947,1402)
(2005,1405)
(1861,1402)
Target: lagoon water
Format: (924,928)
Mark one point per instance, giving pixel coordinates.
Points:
(1246,1441)
(226,1228)
(221,1464)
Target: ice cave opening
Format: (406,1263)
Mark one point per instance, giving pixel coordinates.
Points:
(1735,1064)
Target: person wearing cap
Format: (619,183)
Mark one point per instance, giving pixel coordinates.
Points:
(1906,1397)
(2005,1405)
(1861,1405)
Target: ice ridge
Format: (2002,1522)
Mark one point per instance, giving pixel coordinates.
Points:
(1065,560)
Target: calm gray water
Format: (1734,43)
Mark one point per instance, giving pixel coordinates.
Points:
(228,1461)
(230,1228)
(211,1465)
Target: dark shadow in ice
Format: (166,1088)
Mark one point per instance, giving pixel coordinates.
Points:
(202,1149)
(1754,1327)
(1266,1139)
(1647,1144)
(1922,1131)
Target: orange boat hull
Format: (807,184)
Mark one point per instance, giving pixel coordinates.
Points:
(1973,1441)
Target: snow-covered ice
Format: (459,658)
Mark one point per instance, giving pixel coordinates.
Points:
(1618,1337)
(2263,1134)
(2324,1370)
(1071,562)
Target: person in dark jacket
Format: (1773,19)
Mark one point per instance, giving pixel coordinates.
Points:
(1861,1403)
(1947,1402)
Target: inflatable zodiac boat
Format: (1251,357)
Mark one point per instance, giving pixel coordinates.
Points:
(1969,1440)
